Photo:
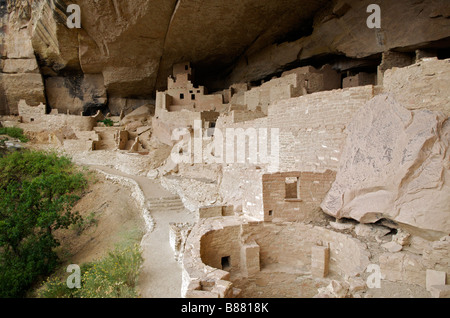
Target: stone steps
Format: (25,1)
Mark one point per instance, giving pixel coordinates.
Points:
(169,203)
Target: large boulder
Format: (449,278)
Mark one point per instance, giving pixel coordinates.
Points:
(395,165)
(141,114)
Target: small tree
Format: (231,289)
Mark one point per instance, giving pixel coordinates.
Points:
(37,193)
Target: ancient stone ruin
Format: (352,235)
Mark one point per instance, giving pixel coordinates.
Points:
(296,162)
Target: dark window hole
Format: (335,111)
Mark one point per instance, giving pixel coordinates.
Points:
(226,262)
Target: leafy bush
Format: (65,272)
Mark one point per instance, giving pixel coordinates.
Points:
(14,133)
(108,122)
(114,276)
(37,191)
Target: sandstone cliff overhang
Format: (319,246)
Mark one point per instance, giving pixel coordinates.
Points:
(134,44)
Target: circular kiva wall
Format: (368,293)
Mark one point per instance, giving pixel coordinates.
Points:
(274,256)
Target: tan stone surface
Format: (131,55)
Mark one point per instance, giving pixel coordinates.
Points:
(347,33)
(27,86)
(394,166)
(20,66)
(421,86)
(335,289)
(435,278)
(30,113)
(52,40)
(320,258)
(19,76)
(402,266)
(440,291)
(142,114)
(371,230)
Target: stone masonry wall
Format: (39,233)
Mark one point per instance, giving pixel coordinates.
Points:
(311,136)
(312,127)
(288,246)
(30,113)
(284,247)
(312,189)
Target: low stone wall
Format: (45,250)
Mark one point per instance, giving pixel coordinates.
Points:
(79,145)
(129,163)
(30,113)
(198,279)
(224,247)
(137,194)
(56,122)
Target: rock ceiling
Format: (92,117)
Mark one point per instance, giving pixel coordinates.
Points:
(135,43)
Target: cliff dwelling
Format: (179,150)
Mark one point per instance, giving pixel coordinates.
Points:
(285,150)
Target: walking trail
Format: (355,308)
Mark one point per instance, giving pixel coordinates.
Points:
(160,274)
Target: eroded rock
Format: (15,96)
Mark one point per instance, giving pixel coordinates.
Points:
(141,114)
(76,94)
(392,247)
(395,165)
(335,289)
(371,230)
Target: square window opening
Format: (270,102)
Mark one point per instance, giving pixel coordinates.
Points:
(292,188)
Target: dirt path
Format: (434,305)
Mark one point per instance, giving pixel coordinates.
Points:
(161,274)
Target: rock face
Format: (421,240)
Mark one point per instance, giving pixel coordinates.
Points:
(21,86)
(340,28)
(54,43)
(76,94)
(19,72)
(395,165)
(421,85)
(154,35)
(133,44)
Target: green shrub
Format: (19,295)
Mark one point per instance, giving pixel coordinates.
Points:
(37,191)
(55,288)
(14,132)
(114,276)
(108,122)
